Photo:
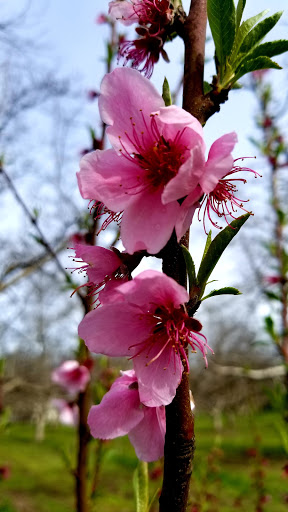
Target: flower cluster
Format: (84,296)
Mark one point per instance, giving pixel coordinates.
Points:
(151,181)
(155,19)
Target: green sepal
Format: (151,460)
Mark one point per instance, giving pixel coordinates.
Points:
(249,65)
(190,267)
(228,290)
(140,484)
(207,87)
(259,32)
(216,249)
(166,94)
(239,11)
(221,16)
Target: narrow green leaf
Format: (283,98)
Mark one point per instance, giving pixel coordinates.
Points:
(239,11)
(166,94)
(247,66)
(208,243)
(140,484)
(269,327)
(242,32)
(221,16)
(269,49)
(259,32)
(216,249)
(228,290)
(190,267)
(272,295)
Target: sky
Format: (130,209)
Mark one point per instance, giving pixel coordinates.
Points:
(75,45)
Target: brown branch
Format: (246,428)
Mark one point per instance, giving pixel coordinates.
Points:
(179,439)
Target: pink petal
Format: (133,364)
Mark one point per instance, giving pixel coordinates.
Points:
(223,146)
(219,163)
(187,178)
(147,223)
(149,435)
(105,176)
(157,385)
(103,262)
(173,119)
(119,411)
(187,210)
(110,292)
(153,287)
(113,328)
(120,9)
(126,94)
(72,376)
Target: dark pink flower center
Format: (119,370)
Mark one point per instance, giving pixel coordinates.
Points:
(173,331)
(160,160)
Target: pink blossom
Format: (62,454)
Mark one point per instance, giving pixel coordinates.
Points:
(101,18)
(121,412)
(216,186)
(68,412)
(273,279)
(71,376)
(144,51)
(147,322)
(151,165)
(104,269)
(154,13)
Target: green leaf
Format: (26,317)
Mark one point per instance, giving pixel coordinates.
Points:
(216,249)
(272,295)
(166,94)
(208,243)
(190,267)
(221,16)
(242,32)
(228,290)
(140,484)
(269,327)
(247,66)
(207,87)
(270,49)
(239,11)
(259,32)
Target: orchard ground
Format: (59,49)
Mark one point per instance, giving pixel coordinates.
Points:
(227,465)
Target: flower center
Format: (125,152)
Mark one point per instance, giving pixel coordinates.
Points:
(160,160)
(172,331)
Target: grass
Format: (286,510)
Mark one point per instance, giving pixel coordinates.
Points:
(41,478)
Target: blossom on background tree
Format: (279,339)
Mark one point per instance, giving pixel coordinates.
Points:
(72,376)
(147,322)
(68,412)
(121,412)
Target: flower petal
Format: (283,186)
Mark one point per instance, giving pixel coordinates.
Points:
(123,11)
(105,176)
(149,435)
(175,119)
(187,210)
(158,380)
(103,262)
(147,223)
(153,287)
(219,163)
(119,411)
(126,102)
(187,177)
(113,328)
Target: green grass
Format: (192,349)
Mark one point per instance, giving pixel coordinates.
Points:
(41,479)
